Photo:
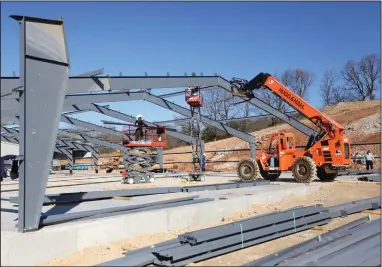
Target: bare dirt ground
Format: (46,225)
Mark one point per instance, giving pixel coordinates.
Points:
(329,194)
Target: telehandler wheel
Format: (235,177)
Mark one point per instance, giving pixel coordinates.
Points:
(304,170)
(324,176)
(267,176)
(248,170)
(270,177)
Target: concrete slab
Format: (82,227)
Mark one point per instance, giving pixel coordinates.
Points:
(64,239)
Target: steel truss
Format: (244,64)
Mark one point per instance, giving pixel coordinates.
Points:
(44,91)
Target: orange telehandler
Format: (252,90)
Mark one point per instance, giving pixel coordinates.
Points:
(327,150)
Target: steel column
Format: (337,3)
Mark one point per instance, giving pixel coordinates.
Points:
(95,160)
(44,77)
(252,148)
(69,155)
(160,157)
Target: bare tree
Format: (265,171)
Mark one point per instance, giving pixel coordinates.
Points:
(301,81)
(218,104)
(331,92)
(361,78)
(286,78)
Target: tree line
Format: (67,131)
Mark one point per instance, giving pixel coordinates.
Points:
(356,81)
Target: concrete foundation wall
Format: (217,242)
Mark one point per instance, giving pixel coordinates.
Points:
(62,240)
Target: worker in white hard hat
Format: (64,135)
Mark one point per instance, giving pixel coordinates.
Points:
(139,131)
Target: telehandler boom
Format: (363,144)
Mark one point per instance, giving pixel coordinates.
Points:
(326,152)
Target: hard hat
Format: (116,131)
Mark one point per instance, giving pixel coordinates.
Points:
(204,154)
(139,116)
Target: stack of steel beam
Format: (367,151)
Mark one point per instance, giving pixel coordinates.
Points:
(355,244)
(203,244)
(348,208)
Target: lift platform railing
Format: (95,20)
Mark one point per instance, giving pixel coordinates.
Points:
(150,136)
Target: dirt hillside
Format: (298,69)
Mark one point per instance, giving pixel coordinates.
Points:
(362,121)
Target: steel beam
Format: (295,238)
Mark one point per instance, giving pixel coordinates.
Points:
(127,118)
(95,160)
(44,78)
(53,219)
(229,120)
(93,140)
(59,143)
(90,126)
(373,228)
(69,155)
(114,97)
(75,85)
(343,210)
(298,249)
(271,110)
(83,84)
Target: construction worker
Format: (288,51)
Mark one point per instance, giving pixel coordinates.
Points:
(139,131)
(188,93)
(369,158)
(160,132)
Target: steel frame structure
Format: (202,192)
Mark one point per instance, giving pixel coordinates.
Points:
(37,99)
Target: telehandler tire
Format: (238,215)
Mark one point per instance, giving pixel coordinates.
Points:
(304,170)
(268,176)
(324,176)
(248,170)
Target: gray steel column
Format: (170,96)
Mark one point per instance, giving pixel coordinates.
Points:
(44,75)
(125,156)
(252,147)
(69,155)
(160,157)
(95,160)
(202,147)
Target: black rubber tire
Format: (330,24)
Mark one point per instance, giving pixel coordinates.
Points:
(267,176)
(270,177)
(248,170)
(304,170)
(326,177)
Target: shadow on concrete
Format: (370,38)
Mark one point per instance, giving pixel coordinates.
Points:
(55,186)
(60,209)
(282,180)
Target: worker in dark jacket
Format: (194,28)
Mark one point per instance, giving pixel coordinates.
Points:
(139,131)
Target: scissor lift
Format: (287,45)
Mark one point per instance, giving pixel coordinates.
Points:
(193,97)
(139,153)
